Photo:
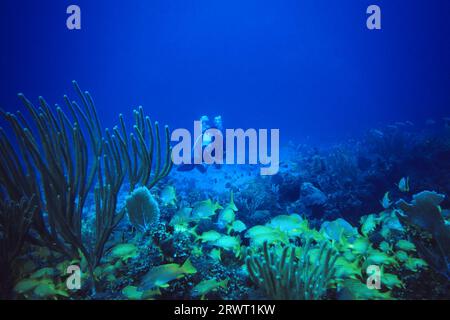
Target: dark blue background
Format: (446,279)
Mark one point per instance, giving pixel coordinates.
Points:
(310,68)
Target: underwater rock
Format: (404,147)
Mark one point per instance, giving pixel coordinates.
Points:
(260,217)
(312,196)
(288,187)
(424,210)
(424,213)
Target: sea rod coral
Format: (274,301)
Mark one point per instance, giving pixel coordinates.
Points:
(63,156)
(285,275)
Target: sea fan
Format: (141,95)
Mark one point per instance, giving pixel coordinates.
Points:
(143,209)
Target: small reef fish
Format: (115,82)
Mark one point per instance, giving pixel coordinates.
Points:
(182,217)
(44,272)
(386,202)
(215,254)
(346,269)
(160,276)
(401,124)
(391,281)
(260,234)
(232,205)
(390,224)
(385,232)
(405,245)
(209,236)
(229,243)
(385,247)
(25,285)
(62,266)
(378,257)
(168,196)
(207,286)
(415,264)
(377,133)
(360,246)
(132,293)
(335,230)
(293,224)
(401,256)
(314,234)
(46,289)
(238,226)
(205,209)
(42,289)
(391,221)
(356,290)
(180,228)
(227,215)
(107,271)
(403,184)
(124,251)
(349,256)
(369,224)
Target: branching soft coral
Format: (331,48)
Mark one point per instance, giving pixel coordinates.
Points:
(63,156)
(293,273)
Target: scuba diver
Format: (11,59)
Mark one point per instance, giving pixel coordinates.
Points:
(205,139)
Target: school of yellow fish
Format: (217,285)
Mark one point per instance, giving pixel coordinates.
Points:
(356,251)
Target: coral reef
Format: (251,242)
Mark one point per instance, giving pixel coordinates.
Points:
(316,230)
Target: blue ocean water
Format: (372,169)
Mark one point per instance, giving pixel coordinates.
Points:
(364,171)
(310,68)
